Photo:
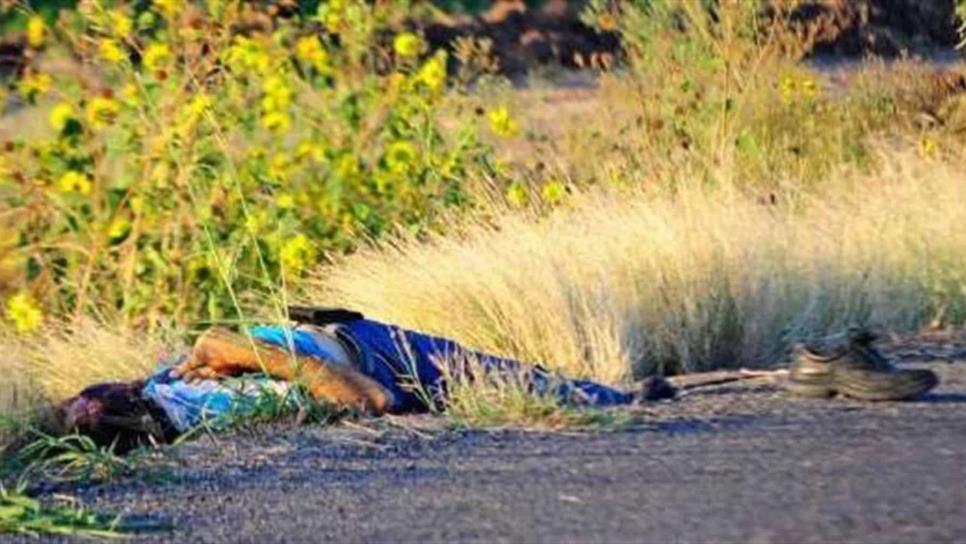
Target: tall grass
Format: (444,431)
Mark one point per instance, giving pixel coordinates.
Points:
(66,357)
(731,202)
(621,285)
(618,284)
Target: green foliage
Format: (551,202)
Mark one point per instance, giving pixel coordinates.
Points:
(961,14)
(71,458)
(22,514)
(722,95)
(271,406)
(217,150)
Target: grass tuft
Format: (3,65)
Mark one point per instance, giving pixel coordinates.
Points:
(496,403)
(270,406)
(26,515)
(623,285)
(69,355)
(71,458)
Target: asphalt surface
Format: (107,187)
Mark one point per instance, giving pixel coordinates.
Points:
(736,463)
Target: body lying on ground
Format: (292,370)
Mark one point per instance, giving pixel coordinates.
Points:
(345,360)
(340,358)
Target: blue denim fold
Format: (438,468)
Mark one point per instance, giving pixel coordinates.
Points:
(415,366)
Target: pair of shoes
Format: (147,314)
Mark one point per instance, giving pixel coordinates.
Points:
(855,369)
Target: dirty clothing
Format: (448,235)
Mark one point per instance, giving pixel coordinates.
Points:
(413,366)
(215,403)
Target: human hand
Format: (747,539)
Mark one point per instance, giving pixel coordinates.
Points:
(218,353)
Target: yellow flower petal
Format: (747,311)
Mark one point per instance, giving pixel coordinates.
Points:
(285,201)
(74,182)
(516,194)
(433,73)
(553,192)
(118,228)
(309,49)
(156,56)
(277,122)
(34,84)
(110,50)
(502,123)
(297,252)
(36,32)
(169,8)
(407,45)
(121,24)
(400,156)
(101,111)
(60,115)
(24,312)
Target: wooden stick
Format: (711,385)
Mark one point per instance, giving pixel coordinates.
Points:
(705,379)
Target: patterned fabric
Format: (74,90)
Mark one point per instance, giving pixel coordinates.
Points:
(304,342)
(214,403)
(411,365)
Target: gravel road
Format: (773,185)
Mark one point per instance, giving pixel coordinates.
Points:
(736,463)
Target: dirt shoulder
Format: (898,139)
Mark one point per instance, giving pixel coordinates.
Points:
(732,463)
(879,27)
(554,33)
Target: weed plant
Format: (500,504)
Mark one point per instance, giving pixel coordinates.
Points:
(71,458)
(209,147)
(26,515)
(719,200)
(62,459)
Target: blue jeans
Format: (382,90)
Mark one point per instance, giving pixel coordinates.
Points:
(410,365)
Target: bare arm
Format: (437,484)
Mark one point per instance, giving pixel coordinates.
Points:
(219,352)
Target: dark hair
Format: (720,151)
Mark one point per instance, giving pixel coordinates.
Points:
(114,414)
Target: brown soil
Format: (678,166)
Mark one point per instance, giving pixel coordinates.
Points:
(523,38)
(879,27)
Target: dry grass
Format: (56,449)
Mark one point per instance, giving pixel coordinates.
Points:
(618,284)
(621,285)
(65,358)
(476,398)
(668,276)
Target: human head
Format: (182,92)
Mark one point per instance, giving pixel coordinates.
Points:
(115,414)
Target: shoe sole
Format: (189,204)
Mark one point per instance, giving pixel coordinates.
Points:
(903,385)
(811,390)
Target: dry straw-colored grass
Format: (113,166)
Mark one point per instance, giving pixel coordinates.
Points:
(64,358)
(617,285)
(622,285)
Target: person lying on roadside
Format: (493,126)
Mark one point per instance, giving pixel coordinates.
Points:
(340,357)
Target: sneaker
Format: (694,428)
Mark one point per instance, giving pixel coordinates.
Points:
(855,369)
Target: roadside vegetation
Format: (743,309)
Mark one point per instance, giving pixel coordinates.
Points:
(40,458)
(167,165)
(626,284)
(720,200)
(26,515)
